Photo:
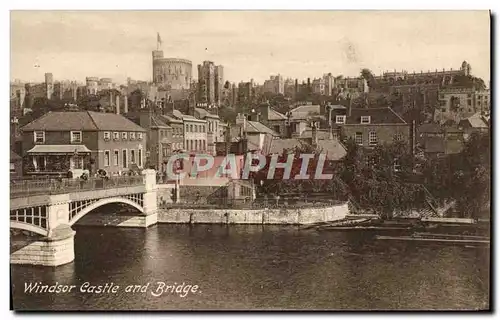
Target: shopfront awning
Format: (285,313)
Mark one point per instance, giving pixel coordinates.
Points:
(59,149)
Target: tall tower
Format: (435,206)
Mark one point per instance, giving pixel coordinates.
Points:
(49,85)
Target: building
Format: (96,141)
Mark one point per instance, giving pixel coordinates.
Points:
(246,95)
(371,126)
(215,129)
(17,98)
(329,81)
(476,123)
(195,132)
(351,87)
(275,85)
(258,137)
(59,142)
(460,103)
(318,86)
(210,83)
(290,88)
(172,74)
(271,119)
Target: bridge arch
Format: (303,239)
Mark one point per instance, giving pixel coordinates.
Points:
(102,202)
(28,227)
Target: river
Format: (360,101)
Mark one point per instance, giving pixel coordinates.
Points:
(258,268)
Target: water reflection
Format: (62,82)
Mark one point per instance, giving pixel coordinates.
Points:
(260,267)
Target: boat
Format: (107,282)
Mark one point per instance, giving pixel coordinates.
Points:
(439,238)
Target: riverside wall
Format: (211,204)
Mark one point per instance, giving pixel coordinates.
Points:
(254,216)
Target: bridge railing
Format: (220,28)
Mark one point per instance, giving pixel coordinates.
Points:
(23,188)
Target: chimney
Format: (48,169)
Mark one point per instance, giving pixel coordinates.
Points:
(413,136)
(314,135)
(117,104)
(125,106)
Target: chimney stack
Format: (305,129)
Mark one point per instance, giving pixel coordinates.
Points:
(117,104)
(125,106)
(314,134)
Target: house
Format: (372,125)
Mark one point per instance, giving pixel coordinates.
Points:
(272,119)
(16,165)
(257,135)
(369,127)
(59,142)
(215,130)
(159,145)
(475,123)
(195,133)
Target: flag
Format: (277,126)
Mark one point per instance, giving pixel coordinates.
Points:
(158,38)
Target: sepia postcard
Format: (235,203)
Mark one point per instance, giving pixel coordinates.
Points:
(250,160)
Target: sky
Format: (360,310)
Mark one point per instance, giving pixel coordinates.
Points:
(249,44)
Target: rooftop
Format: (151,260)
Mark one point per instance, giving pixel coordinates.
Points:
(82,121)
(377,116)
(202,113)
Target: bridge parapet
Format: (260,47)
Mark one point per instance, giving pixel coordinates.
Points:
(26,188)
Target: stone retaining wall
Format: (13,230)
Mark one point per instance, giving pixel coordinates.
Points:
(254,216)
(46,253)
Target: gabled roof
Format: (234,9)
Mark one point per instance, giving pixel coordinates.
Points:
(185,117)
(302,112)
(169,119)
(280,145)
(275,115)
(377,116)
(82,121)
(333,148)
(156,121)
(476,121)
(202,113)
(257,127)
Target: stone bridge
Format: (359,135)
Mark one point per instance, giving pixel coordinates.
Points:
(49,209)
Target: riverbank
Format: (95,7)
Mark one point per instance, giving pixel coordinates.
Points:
(294,215)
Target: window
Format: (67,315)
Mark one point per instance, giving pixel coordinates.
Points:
(469,95)
(398,137)
(187,128)
(76,137)
(139,135)
(132,135)
(132,156)
(365,119)
(106,158)
(116,135)
(12,168)
(115,157)
(277,128)
(107,135)
(358,138)
(340,119)
(76,162)
(164,150)
(124,158)
(469,102)
(124,136)
(39,136)
(203,129)
(397,165)
(191,128)
(204,145)
(372,138)
(195,128)
(443,109)
(335,134)
(139,158)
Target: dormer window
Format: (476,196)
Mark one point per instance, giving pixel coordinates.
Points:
(340,119)
(365,119)
(116,135)
(39,136)
(76,137)
(124,136)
